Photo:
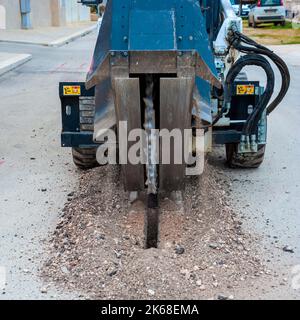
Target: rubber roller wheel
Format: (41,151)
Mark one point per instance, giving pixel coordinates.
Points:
(85,158)
(245,160)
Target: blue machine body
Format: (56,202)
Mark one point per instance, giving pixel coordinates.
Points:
(155,67)
(147,26)
(155,25)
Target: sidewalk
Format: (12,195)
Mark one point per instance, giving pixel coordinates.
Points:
(50,36)
(10,61)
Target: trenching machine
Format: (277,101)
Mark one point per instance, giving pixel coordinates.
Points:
(171,64)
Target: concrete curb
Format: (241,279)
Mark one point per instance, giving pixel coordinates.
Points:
(62,41)
(57,43)
(13,62)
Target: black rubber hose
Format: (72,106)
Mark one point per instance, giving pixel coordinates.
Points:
(256,48)
(220,114)
(250,126)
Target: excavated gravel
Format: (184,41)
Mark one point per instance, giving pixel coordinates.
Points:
(97,248)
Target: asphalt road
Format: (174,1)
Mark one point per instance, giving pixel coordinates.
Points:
(36,174)
(31,160)
(269,197)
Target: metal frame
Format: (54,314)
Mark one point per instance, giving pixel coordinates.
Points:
(239,110)
(71,135)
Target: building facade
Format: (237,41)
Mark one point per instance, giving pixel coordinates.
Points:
(16,14)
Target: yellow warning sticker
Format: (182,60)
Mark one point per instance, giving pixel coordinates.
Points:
(243,89)
(72,91)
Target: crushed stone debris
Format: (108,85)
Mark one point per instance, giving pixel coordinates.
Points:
(97,247)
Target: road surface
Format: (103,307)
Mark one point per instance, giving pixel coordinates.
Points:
(36,174)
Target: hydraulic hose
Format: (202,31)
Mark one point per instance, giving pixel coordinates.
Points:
(252,60)
(253,47)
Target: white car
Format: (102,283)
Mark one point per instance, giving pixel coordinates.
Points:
(236,7)
(267,11)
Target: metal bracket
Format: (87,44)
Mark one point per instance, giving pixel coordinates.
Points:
(248,144)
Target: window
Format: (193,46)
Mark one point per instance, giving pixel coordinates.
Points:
(270,3)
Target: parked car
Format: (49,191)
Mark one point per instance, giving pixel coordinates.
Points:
(236,7)
(267,11)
